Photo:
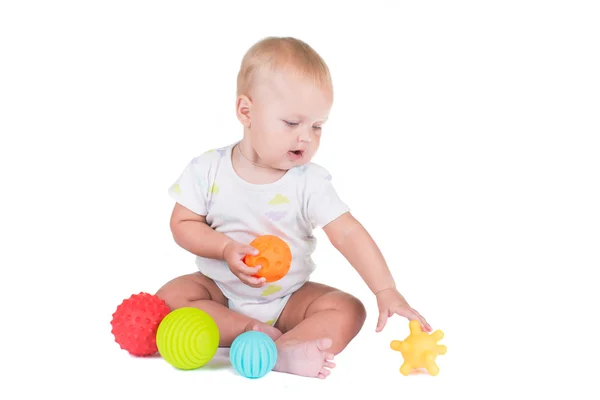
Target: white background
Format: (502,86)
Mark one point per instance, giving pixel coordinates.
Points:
(464,136)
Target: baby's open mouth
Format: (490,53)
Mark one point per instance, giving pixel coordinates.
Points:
(296,154)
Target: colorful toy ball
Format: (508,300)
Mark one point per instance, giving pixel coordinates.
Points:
(135,322)
(419,349)
(253,354)
(275,257)
(187,338)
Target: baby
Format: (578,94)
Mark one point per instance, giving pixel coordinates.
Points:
(267,184)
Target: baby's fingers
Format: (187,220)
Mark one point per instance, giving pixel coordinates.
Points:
(252,281)
(253,251)
(245,269)
(424,324)
(414,315)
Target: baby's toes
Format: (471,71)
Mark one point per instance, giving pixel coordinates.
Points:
(324,373)
(328,364)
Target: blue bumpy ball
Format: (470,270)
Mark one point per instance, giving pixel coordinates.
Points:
(253,354)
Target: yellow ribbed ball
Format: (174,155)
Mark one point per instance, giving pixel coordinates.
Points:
(187,338)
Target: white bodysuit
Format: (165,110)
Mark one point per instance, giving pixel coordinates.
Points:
(290,208)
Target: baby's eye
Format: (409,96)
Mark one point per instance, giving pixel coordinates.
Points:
(317,128)
(291,123)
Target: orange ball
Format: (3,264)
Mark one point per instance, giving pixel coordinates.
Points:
(274,257)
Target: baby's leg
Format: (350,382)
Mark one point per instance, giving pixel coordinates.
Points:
(196,290)
(317,323)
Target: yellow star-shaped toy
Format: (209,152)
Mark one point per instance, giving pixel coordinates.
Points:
(419,349)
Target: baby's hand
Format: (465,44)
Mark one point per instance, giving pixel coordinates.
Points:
(234,254)
(391,302)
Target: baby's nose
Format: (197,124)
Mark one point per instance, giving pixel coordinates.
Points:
(305,136)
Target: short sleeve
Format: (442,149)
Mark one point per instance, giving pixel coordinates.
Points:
(324,203)
(190,189)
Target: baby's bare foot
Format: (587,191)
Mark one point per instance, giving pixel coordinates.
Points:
(305,358)
(271,331)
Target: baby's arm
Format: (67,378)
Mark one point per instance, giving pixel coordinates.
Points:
(351,239)
(354,242)
(191,232)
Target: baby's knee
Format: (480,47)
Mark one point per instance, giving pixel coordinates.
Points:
(169,294)
(356,308)
(182,292)
(350,306)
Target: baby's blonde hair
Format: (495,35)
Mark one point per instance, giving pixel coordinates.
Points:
(282,53)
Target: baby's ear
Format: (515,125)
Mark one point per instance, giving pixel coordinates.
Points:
(242,110)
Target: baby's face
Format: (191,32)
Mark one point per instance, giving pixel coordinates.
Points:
(287,116)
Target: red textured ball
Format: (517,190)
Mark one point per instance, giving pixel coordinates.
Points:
(135,322)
